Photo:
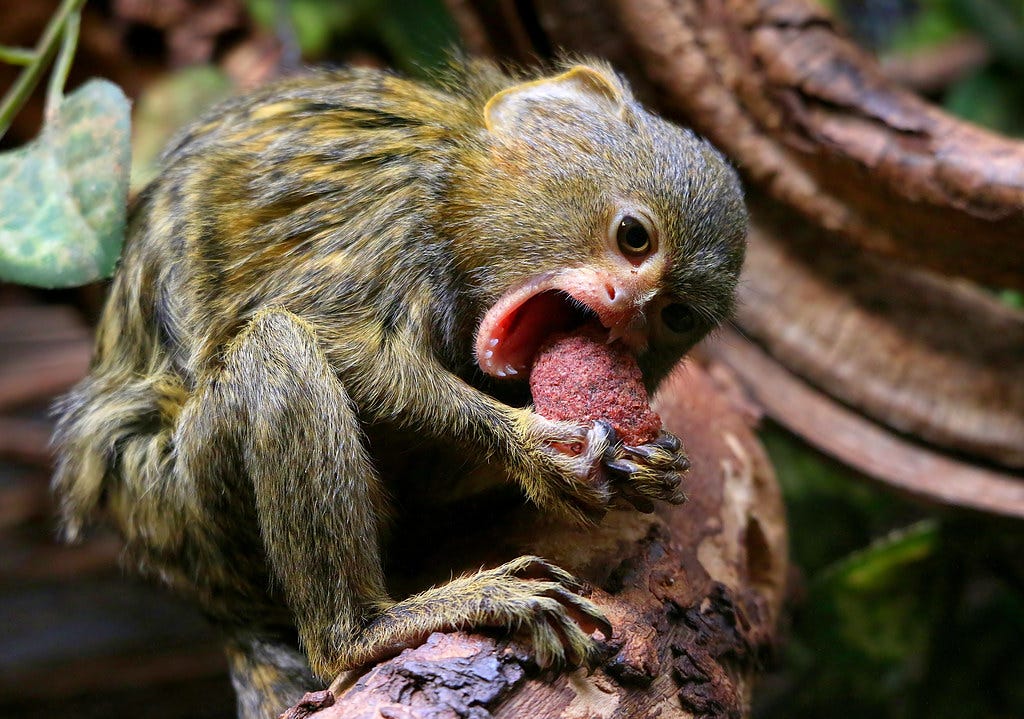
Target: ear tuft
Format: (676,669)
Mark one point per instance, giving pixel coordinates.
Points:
(581,84)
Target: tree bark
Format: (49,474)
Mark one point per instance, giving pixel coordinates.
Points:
(936,359)
(693,594)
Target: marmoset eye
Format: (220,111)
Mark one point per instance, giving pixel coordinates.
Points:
(633,237)
(679,317)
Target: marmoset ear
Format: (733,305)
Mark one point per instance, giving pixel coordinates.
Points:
(581,84)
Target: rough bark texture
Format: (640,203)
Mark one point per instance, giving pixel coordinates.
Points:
(872,209)
(693,594)
(939,360)
(913,470)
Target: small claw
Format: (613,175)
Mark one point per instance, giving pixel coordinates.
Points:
(668,441)
(530,567)
(547,646)
(603,625)
(606,427)
(644,451)
(673,482)
(609,429)
(662,484)
(579,609)
(623,466)
(603,432)
(551,572)
(662,452)
(573,654)
(558,636)
(536,569)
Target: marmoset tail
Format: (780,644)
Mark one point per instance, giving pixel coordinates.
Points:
(351,251)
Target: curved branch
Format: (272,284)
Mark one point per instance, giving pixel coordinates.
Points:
(940,360)
(855,441)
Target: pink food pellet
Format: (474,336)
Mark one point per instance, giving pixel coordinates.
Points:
(580,377)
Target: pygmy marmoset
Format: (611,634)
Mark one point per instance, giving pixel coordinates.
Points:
(349,254)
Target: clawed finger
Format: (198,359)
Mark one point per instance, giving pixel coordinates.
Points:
(622,466)
(582,611)
(658,456)
(668,441)
(561,628)
(639,502)
(640,484)
(607,431)
(530,567)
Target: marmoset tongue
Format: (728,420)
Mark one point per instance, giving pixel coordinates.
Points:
(579,377)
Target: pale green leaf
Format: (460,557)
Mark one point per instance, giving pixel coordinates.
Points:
(63,195)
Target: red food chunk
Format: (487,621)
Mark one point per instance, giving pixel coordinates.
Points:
(579,377)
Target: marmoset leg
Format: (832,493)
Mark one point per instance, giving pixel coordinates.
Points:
(319,504)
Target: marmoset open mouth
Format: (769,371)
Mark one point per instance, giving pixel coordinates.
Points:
(515,328)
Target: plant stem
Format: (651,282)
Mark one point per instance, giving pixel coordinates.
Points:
(59,75)
(29,77)
(17,55)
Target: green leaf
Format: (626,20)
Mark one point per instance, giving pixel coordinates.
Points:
(835,509)
(874,595)
(1000,23)
(419,33)
(63,195)
(315,22)
(932,23)
(1012,298)
(883,562)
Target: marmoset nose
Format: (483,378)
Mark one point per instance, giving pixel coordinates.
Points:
(613,301)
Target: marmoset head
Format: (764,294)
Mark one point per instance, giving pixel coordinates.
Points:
(579,206)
